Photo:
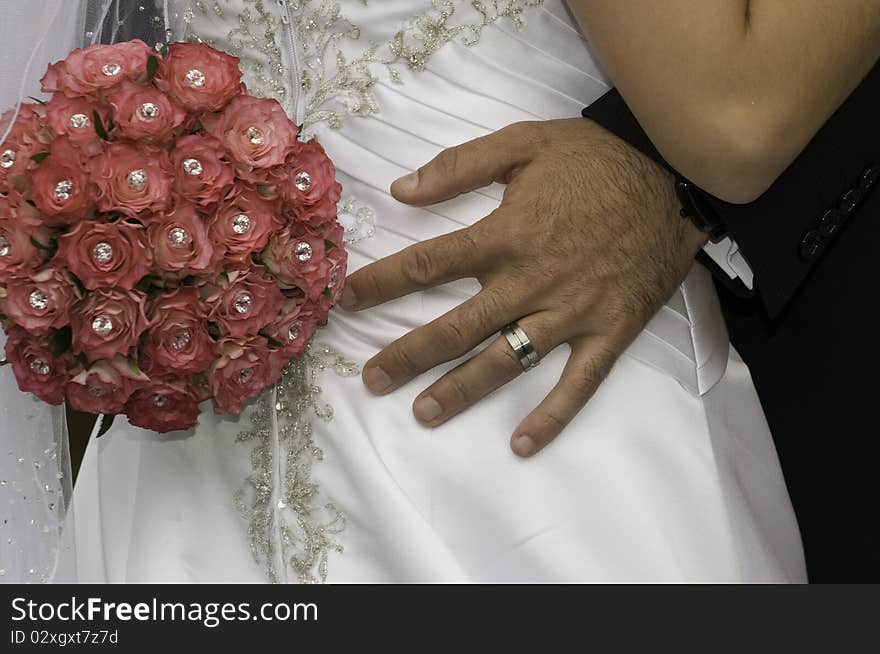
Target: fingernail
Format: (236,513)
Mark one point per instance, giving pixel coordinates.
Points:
(427,409)
(348,300)
(408,183)
(376,379)
(524,445)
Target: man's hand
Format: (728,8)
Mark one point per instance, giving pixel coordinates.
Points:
(585,248)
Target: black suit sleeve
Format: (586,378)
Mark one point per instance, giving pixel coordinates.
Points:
(790,228)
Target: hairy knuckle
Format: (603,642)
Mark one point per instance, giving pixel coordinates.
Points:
(452,337)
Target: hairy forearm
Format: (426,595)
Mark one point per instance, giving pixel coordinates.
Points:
(731,91)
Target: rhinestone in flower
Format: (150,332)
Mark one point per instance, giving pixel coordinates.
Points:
(40,367)
(111,70)
(97,391)
(294,331)
(241,223)
(192,167)
(242,303)
(7,159)
(4,246)
(178,236)
(79,121)
(303,181)
(102,325)
(102,252)
(245,376)
(255,136)
(181,339)
(159,400)
(303,251)
(38,300)
(63,190)
(195,77)
(137,179)
(148,111)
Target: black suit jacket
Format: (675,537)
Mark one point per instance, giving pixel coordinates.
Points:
(811,334)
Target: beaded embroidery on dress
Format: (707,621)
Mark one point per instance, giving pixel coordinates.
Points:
(311,58)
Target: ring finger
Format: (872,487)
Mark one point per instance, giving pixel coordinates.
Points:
(471,381)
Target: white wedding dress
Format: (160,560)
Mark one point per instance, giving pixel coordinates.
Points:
(669,474)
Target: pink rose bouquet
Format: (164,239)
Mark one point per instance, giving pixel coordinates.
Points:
(165,238)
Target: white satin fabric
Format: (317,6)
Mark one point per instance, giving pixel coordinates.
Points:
(669,474)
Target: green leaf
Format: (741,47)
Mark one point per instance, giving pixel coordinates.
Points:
(106,422)
(40,246)
(327,293)
(61,340)
(329,245)
(133,366)
(5,362)
(164,50)
(37,100)
(99,126)
(152,67)
(39,157)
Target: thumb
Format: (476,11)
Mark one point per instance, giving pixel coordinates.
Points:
(466,167)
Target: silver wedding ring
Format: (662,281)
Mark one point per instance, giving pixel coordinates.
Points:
(522,346)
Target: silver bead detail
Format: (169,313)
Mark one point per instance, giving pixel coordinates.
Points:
(4,246)
(7,159)
(102,325)
(303,181)
(245,376)
(79,121)
(63,190)
(111,70)
(148,111)
(181,339)
(178,236)
(40,367)
(159,400)
(241,224)
(196,78)
(242,303)
(303,251)
(192,167)
(102,252)
(255,136)
(137,179)
(294,331)
(38,300)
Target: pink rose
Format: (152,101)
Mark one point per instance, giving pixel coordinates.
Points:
(298,258)
(28,136)
(255,131)
(36,367)
(87,72)
(337,256)
(178,339)
(246,304)
(165,405)
(108,322)
(19,254)
(61,188)
(243,222)
(106,254)
(180,243)
(240,372)
(41,301)
(141,112)
(132,179)
(311,178)
(202,172)
(317,216)
(198,77)
(293,328)
(74,118)
(105,386)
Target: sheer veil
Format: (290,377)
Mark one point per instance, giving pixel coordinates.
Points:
(36,522)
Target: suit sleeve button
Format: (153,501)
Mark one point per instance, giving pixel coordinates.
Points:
(850,201)
(869,178)
(830,222)
(811,244)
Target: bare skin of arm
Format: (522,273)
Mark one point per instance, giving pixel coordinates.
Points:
(731,91)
